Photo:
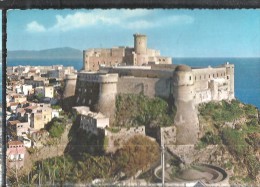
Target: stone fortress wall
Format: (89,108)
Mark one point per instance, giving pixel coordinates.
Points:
(188,86)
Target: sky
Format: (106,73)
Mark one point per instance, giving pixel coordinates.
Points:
(175,32)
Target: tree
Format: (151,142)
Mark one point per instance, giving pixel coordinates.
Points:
(139,152)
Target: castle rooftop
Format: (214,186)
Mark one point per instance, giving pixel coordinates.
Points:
(183,68)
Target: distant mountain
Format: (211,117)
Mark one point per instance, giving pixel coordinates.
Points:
(56,53)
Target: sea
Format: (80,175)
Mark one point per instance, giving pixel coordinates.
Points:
(247,72)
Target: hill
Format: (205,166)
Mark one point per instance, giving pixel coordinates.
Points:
(56,53)
(234,128)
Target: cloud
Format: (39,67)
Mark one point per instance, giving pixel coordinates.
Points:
(81,19)
(180,19)
(128,19)
(147,24)
(140,24)
(34,26)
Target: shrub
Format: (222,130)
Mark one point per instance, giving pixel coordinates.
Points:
(138,153)
(250,110)
(223,111)
(210,138)
(135,110)
(56,130)
(200,145)
(235,141)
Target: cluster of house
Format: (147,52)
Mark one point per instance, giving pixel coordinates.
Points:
(90,121)
(27,114)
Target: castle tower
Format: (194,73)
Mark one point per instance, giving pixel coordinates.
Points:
(186,118)
(107,94)
(140,49)
(69,92)
(140,43)
(97,91)
(230,77)
(183,83)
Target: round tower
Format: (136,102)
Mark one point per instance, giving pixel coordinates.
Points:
(186,119)
(230,77)
(107,94)
(140,43)
(69,92)
(183,83)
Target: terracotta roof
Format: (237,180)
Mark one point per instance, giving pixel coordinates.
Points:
(31,107)
(15,143)
(13,122)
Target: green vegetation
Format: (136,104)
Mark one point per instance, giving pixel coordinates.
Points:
(250,110)
(113,129)
(228,165)
(222,111)
(175,165)
(208,139)
(138,153)
(241,140)
(227,111)
(56,127)
(39,96)
(241,150)
(235,141)
(57,107)
(136,110)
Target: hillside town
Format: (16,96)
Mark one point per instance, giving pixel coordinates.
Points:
(32,94)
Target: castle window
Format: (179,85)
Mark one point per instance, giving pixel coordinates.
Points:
(217,74)
(190,78)
(213,75)
(200,77)
(195,77)
(227,77)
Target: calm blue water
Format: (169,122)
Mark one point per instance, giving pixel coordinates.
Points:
(77,63)
(247,72)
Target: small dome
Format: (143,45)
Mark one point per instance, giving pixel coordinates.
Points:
(183,68)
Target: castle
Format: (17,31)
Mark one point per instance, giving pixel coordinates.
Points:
(145,72)
(139,55)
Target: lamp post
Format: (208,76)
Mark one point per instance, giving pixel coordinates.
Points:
(162,158)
